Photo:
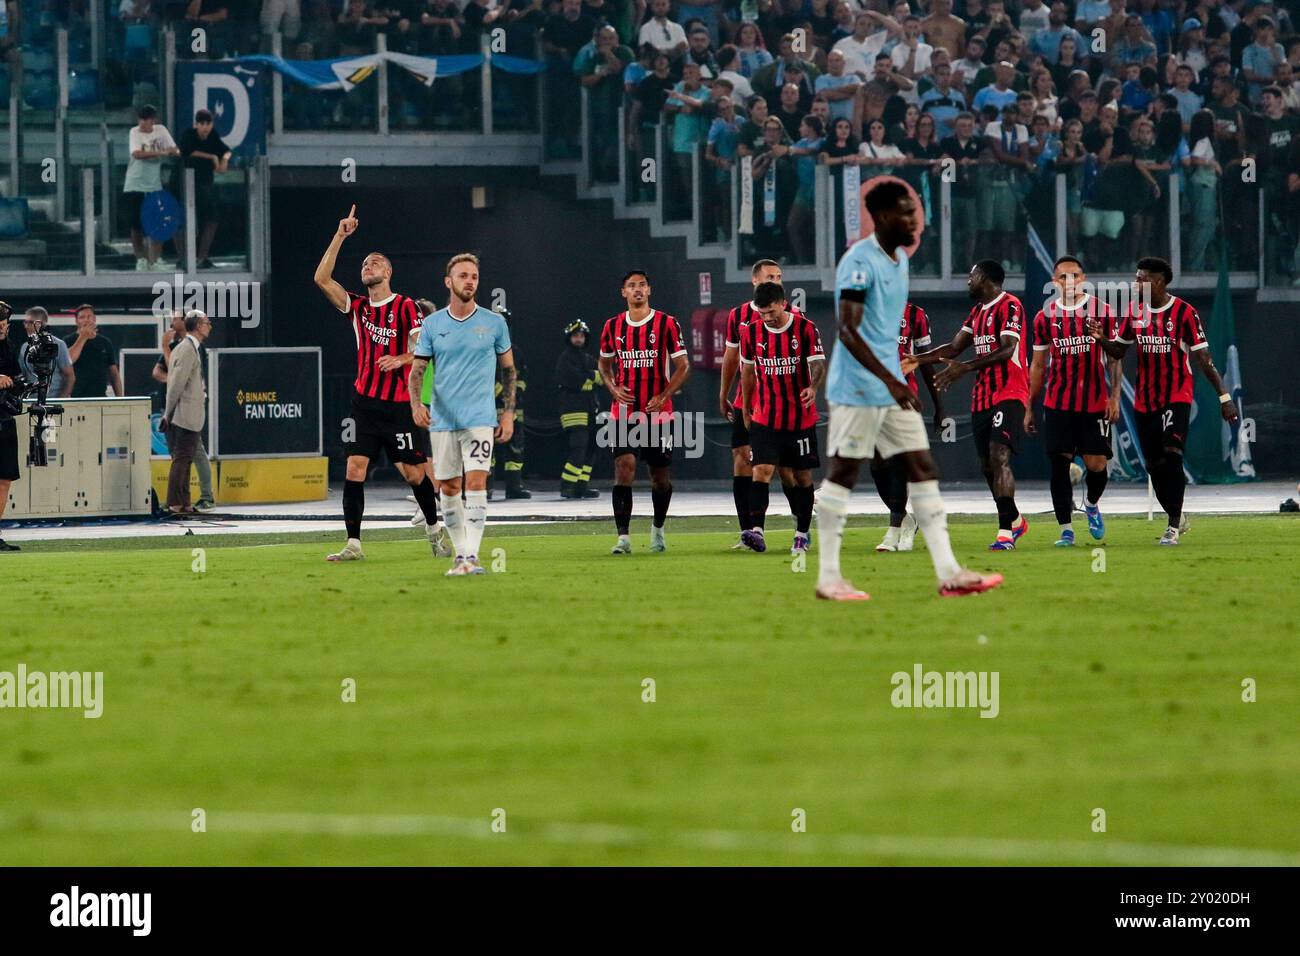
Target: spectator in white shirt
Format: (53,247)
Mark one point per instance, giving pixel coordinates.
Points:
(861,49)
(661,33)
(912,54)
(1033,18)
(728,59)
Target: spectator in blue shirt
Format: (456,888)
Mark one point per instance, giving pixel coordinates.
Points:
(840,89)
(1000,94)
(1133,45)
(1189,101)
(1048,42)
(1158,23)
(1139,89)
(943,101)
(1259,60)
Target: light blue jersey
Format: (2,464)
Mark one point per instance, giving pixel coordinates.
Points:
(866,267)
(464,354)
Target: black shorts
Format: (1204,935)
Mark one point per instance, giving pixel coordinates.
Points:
(795,449)
(378,424)
(652,455)
(739,433)
(8,449)
(1076,433)
(1164,428)
(134,202)
(999,425)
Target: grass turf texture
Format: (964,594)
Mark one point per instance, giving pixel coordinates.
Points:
(1119,690)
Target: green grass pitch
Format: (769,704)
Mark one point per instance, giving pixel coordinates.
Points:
(1120,691)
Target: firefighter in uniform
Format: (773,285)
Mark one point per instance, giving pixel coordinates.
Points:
(511,453)
(578,377)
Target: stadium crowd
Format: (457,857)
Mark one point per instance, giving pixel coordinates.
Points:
(1117,96)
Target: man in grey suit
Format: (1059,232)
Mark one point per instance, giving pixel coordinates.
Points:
(185,410)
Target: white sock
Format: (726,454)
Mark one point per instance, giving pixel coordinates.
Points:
(927,506)
(354,541)
(832,511)
(1066,527)
(453,516)
(475,519)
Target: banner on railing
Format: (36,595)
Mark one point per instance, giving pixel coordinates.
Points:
(746,226)
(232,93)
(348,72)
(850,190)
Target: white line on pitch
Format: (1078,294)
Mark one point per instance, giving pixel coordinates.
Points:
(1102,850)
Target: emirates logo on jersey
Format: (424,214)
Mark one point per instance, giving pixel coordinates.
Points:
(377,333)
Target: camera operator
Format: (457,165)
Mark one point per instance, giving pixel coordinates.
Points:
(64,376)
(186,409)
(9,370)
(172,338)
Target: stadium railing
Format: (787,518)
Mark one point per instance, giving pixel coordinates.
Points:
(678,195)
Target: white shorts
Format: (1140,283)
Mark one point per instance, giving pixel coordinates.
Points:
(863,431)
(456,452)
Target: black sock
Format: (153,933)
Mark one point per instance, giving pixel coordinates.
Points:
(740,494)
(883,480)
(897,493)
(758,497)
(1175,485)
(1007,511)
(803,520)
(622,498)
(1062,492)
(659,500)
(1159,482)
(427,499)
(792,498)
(1095,483)
(354,506)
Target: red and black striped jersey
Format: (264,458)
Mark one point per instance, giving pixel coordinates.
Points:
(1008,380)
(913,335)
(1166,338)
(642,352)
(737,319)
(1075,380)
(382,328)
(782,361)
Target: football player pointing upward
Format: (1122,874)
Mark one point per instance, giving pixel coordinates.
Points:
(381,416)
